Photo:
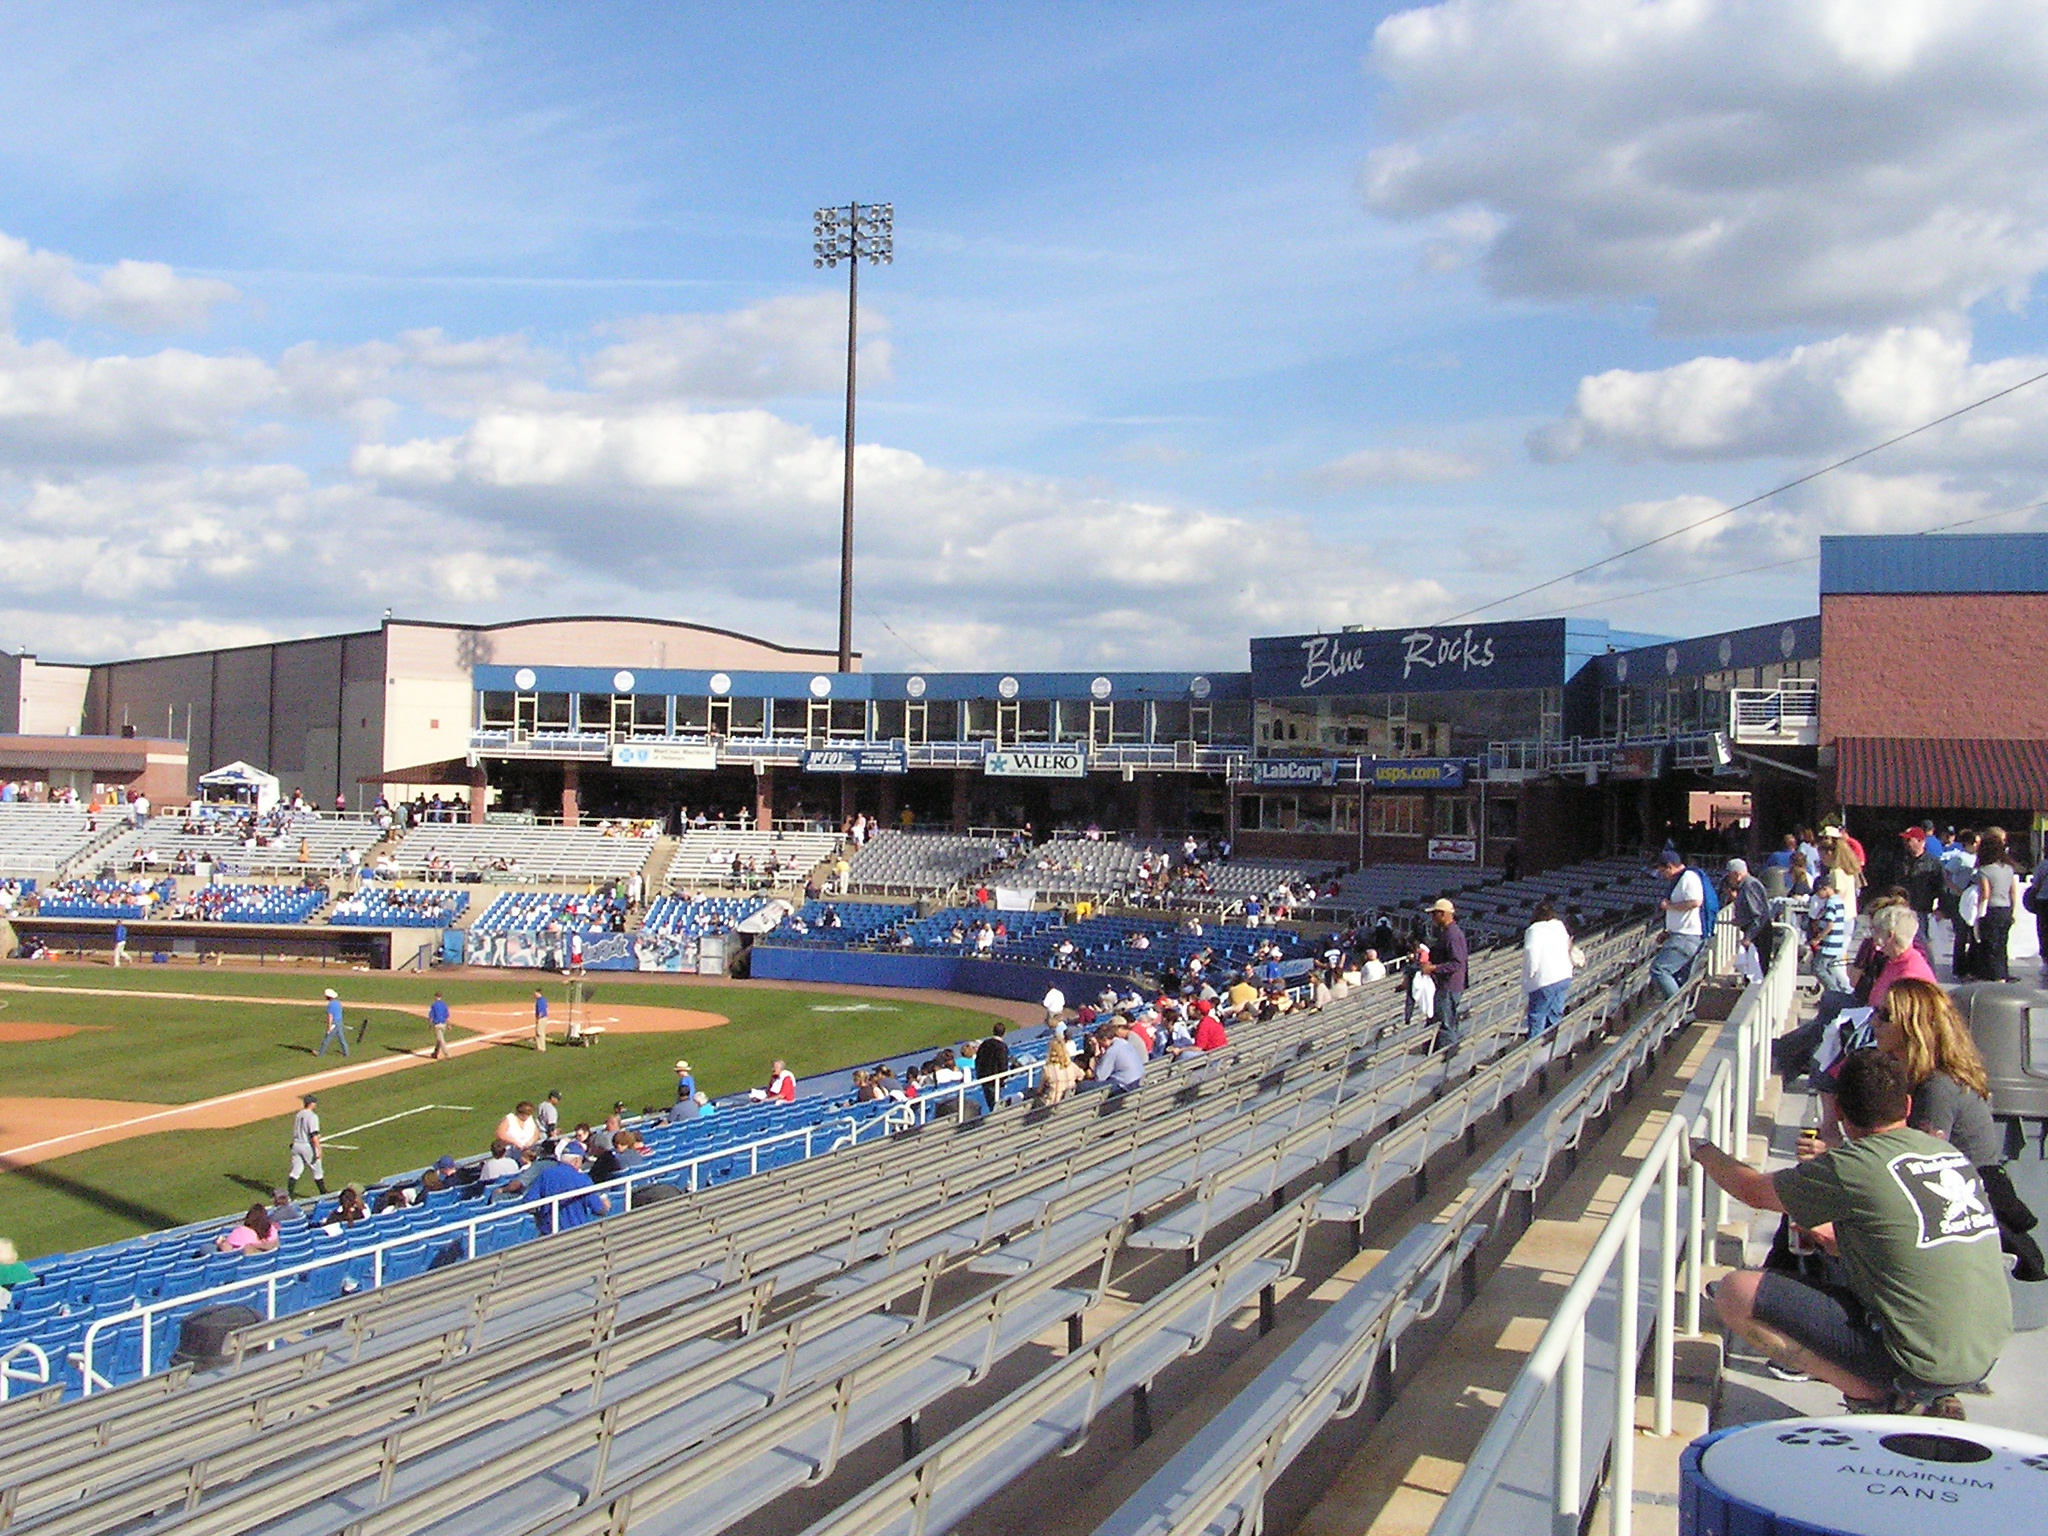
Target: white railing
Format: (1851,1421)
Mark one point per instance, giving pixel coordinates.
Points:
(17,1363)
(1558,1363)
(848,1131)
(1784,716)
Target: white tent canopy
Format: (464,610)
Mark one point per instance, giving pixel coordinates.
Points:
(238,783)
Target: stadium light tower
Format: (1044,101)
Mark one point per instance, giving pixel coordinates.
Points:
(854,233)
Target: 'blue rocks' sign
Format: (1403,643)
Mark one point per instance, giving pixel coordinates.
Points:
(1451,659)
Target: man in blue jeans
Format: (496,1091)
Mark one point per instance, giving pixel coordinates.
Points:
(1448,963)
(1681,910)
(335,1035)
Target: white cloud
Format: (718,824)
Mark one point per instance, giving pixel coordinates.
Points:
(743,505)
(1700,537)
(1394,466)
(255,548)
(131,295)
(1736,163)
(784,346)
(1829,397)
(59,407)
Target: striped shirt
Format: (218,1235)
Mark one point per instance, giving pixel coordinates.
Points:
(1830,916)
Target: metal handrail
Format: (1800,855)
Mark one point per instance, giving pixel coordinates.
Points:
(11,1373)
(1559,1359)
(852,1130)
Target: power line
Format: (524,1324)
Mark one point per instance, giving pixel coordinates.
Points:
(1697,581)
(1778,565)
(869,609)
(1778,490)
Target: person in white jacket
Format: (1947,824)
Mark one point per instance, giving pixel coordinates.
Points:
(1546,970)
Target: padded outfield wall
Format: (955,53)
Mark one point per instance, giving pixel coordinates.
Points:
(938,973)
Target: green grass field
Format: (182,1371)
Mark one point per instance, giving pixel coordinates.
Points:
(167,1050)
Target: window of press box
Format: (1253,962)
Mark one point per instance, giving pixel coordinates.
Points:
(1453,816)
(1315,810)
(1503,819)
(792,717)
(1395,816)
(497,711)
(551,711)
(650,713)
(981,718)
(850,718)
(942,720)
(747,716)
(1034,720)
(693,714)
(888,719)
(594,711)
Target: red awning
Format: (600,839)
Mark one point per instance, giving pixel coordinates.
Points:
(1938,775)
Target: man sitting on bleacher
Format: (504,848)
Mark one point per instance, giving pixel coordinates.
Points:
(1926,1308)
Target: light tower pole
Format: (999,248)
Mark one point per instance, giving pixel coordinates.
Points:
(854,233)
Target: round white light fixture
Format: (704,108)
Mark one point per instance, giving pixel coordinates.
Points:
(1007,687)
(524,679)
(622,682)
(720,683)
(915,687)
(821,687)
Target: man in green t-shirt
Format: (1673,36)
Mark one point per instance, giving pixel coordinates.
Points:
(1926,1305)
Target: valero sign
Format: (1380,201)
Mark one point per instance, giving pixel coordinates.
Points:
(1036,763)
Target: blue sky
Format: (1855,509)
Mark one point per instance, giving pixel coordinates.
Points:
(1207,321)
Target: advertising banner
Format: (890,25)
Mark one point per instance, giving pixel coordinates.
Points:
(1418,773)
(663,754)
(1456,658)
(1291,772)
(876,757)
(1643,762)
(1037,763)
(601,951)
(1454,850)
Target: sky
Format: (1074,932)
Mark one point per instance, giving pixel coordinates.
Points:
(1206,321)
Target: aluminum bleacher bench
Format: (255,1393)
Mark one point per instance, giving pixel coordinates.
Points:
(1054,1412)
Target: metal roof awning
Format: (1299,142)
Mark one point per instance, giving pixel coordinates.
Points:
(1929,774)
(454,770)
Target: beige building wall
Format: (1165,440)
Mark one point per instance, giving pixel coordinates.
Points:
(49,699)
(427,667)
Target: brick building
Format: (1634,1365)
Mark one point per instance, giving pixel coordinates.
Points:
(1936,703)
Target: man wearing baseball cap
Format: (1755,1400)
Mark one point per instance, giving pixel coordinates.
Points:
(335,1033)
(305,1145)
(1449,956)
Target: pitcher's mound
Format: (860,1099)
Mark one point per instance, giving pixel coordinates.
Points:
(20,1032)
(614,1018)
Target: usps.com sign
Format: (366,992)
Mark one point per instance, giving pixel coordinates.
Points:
(1452,658)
